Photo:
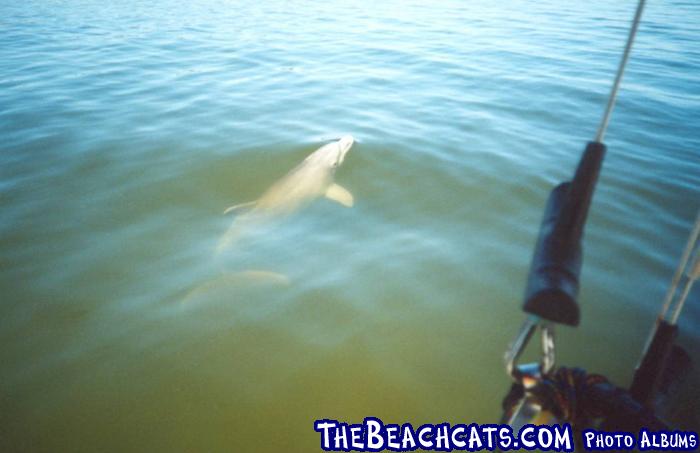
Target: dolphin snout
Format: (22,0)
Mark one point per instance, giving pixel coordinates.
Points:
(346,143)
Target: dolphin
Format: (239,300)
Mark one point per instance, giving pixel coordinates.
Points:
(311,179)
(223,284)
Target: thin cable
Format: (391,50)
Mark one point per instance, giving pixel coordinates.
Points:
(679,306)
(620,71)
(693,272)
(681,267)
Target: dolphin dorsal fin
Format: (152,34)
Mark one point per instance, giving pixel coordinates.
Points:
(340,194)
(238,206)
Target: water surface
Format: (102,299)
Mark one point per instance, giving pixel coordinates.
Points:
(127,129)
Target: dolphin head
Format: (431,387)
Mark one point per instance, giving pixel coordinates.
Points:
(344,145)
(333,154)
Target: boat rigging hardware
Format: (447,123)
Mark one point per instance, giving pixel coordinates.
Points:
(671,309)
(661,344)
(553,280)
(528,374)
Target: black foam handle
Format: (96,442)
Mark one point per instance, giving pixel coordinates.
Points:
(553,281)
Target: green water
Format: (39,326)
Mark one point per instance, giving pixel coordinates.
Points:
(127,129)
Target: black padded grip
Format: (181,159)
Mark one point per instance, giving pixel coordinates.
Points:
(553,281)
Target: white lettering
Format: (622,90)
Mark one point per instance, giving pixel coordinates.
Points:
(374,439)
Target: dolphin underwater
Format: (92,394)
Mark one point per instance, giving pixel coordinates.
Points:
(311,179)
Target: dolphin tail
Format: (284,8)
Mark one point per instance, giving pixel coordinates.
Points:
(220,285)
(263,276)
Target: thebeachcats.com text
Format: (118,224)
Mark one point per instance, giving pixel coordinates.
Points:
(374,435)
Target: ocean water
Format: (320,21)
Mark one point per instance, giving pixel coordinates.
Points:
(127,128)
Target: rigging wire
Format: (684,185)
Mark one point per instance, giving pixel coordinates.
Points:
(620,71)
(692,273)
(681,266)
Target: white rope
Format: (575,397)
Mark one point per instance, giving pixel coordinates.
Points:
(620,71)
